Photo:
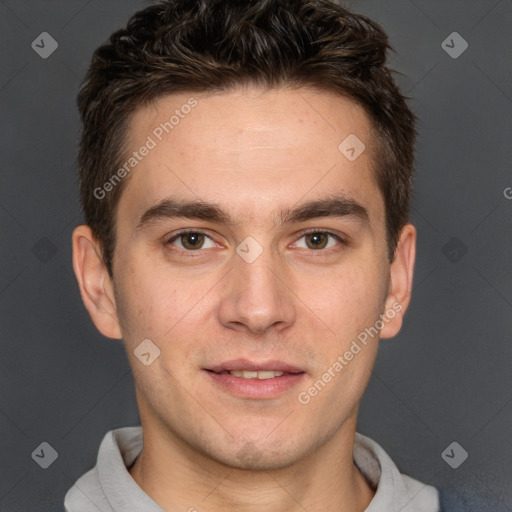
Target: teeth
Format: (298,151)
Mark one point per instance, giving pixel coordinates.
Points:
(266,374)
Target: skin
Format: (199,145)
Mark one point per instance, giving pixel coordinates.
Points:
(253,152)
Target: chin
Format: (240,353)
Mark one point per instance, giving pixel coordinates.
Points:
(261,454)
(250,458)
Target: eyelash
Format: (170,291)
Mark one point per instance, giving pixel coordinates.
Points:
(190,253)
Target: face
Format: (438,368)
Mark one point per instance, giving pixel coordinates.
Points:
(248,241)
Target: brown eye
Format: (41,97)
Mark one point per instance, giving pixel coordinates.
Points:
(191,241)
(317,240)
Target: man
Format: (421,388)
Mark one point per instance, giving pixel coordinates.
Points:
(245,172)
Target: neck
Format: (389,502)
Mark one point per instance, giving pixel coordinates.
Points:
(178,477)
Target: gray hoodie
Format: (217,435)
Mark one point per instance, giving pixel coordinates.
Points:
(108,487)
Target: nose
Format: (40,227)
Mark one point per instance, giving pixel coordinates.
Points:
(256,296)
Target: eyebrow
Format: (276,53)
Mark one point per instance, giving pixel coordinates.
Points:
(333,206)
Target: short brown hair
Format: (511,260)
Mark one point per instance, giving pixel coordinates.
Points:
(216,45)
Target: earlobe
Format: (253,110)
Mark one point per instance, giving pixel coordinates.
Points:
(400,282)
(96,287)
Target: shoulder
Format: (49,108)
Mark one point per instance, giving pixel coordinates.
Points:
(109,477)
(394,490)
(86,494)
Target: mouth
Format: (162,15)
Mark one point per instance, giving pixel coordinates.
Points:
(250,379)
(249,374)
(247,369)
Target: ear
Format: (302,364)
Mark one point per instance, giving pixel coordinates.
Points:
(95,284)
(400,282)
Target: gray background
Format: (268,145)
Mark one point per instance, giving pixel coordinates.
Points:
(445,378)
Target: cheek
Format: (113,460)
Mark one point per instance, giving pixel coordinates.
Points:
(145,302)
(162,308)
(350,300)
(350,308)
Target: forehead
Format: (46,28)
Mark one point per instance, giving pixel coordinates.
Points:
(252,149)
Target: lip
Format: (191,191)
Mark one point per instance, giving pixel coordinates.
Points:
(259,389)
(245,364)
